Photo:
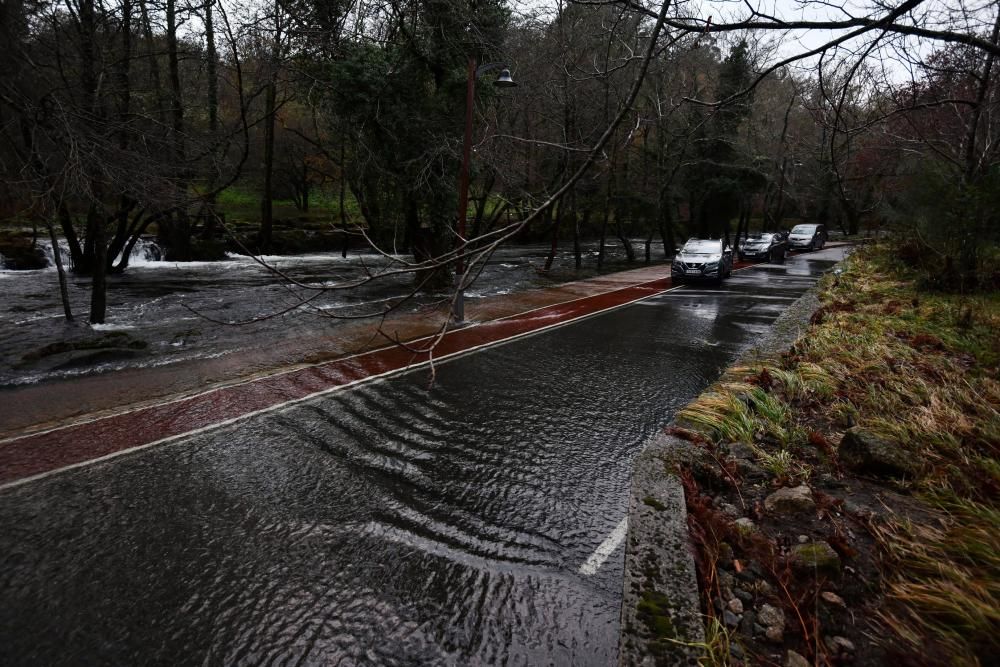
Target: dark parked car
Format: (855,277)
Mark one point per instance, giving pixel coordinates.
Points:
(807,237)
(703,259)
(769,246)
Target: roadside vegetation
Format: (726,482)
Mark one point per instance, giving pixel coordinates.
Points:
(847,507)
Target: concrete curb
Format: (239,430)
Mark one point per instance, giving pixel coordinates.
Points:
(661,615)
(661,620)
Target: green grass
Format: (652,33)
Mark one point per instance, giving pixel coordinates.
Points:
(242,207)
(920,369)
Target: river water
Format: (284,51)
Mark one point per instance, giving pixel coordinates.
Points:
(183,311)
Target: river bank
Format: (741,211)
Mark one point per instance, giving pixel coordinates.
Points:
(841,495)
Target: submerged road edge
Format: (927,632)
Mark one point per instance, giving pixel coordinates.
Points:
(661,619)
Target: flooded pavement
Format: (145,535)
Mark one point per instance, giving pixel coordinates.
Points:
(388,524)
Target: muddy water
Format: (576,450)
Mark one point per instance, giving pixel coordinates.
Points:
(388,525)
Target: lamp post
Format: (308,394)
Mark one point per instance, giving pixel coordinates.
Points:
(503,81)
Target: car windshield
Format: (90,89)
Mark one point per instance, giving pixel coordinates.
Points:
(699,246)
(803,229)
(759,238)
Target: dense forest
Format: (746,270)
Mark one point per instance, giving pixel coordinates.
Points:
(630,119)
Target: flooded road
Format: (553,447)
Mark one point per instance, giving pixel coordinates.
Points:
(388,524)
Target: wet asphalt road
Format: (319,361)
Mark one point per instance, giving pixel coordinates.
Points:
(389,524)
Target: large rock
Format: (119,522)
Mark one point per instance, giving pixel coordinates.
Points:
(816,557)
(798,500)
(769,615)
(796,660)
(866,453)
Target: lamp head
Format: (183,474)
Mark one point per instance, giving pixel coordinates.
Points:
(504,80)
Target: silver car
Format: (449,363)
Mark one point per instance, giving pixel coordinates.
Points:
(768,246)
(807,237)
(703,259)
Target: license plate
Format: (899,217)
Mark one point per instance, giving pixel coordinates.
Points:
(693,271)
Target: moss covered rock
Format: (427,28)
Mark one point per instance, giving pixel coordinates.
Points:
(866,453)
(818,557)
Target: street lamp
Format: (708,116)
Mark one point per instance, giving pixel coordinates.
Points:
(502,81)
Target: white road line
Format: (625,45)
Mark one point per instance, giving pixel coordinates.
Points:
(607,548)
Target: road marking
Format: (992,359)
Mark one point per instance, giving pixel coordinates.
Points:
(607,547)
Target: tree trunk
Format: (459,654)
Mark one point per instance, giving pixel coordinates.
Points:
(604,233)
(626,244)
(577,253)
(60,271)
(554,221)
(98,292)
(343,188)
(154,64)
(649,242)
(270,101)
(210,215)
(267,194)
(667,229)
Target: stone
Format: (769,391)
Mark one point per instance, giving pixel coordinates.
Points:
(741,450)
(831,482)
(770,615)
(726,579)
(839,644)
(832,598)
(736,651)
(730,510)
(730,619)
(725,558)
(745,525)
(850,507)
(803,539)
(736,606)
(864,452)
(763,587)
(748,622)
(794,659)
(775,634)
(815,557)
(744,596)
(750,470)
(796,500)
